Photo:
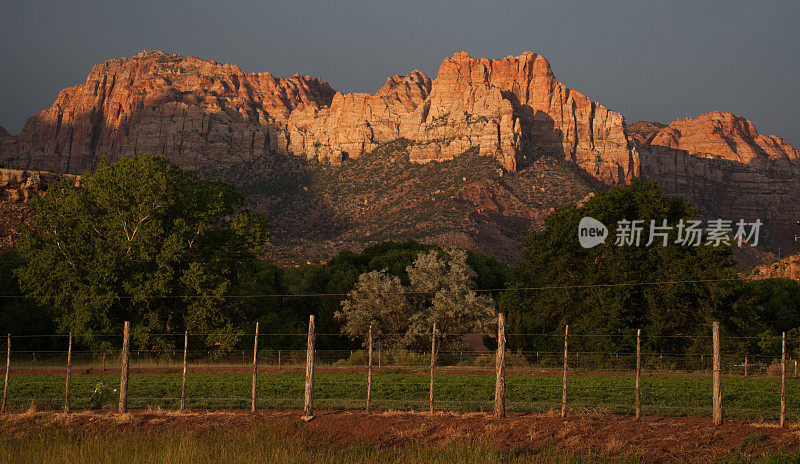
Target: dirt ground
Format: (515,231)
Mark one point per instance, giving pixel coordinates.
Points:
(654,439)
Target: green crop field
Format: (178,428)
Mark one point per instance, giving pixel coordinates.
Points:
(662,395)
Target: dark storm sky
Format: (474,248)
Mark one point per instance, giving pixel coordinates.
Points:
(654,60)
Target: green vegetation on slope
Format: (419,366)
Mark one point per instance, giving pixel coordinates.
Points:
(382,195)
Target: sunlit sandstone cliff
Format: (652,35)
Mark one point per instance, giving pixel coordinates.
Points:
(198,112)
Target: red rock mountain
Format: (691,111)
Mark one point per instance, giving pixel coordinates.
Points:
(719,162)
(202,114)
(198,112)
(191,110)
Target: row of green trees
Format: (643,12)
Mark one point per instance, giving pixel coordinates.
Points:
(144,241)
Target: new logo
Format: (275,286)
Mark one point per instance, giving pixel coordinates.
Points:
(591,232)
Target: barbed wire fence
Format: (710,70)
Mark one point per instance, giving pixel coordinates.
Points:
(556,373)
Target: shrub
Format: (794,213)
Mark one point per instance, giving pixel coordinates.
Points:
(485,361)
(512,360)
(358,358)
(408,358)
(774,369)
(102,396)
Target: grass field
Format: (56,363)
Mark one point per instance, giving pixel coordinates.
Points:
(265,444)
(662,395)
(351,438)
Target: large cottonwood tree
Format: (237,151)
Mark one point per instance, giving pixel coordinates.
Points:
(139,240)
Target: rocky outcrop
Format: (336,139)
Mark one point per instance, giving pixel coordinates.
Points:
(21,185)
(721,164)
(642,131)
(546,114)
(786,268)
(6,140)
(720,135)
(199,112)
(356,123)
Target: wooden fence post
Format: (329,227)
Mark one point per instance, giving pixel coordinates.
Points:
(185,368)
(745,366)
(69,372)
(255,370)
(564,382)
(123,377)
(783,379)
(8,368)
(104,362)
(308,403)
(500,367)
(433,365)
(637,400)
(369,367)
(279,359)
(717,391)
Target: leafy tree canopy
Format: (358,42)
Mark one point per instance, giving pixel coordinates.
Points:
(138,240)
(441,290)
(553,257)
